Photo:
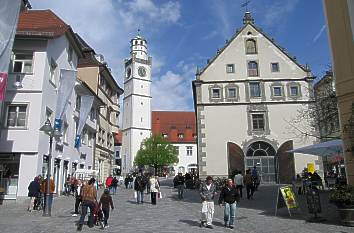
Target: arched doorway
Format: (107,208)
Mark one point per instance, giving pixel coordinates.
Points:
(262,155)
(236,158)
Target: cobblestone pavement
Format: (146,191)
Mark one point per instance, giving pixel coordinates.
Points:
(169,215)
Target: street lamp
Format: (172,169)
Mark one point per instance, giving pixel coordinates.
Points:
(48,129)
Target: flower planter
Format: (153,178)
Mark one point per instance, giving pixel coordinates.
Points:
(347,215)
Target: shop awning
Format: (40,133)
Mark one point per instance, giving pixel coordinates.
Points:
(328,148)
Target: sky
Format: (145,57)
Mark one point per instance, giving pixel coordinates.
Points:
(183,34)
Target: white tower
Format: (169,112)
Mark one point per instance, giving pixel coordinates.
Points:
(136,102)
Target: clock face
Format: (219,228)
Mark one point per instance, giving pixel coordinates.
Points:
(129,72)
(142,71)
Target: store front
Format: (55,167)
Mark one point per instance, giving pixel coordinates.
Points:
(9,174)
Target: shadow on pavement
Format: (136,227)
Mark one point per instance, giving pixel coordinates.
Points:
(190,222)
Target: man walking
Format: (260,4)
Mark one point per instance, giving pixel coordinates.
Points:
(229,196)
(89,196)
(78,197)
(207,193)
(239,182)
(249,184)
(180,185)
(139,186)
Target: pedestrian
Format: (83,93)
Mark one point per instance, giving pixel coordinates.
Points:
(239,182)
(229,196)
(180,185)
(48,198)
(255,178)
(126,181)
(139,187)
(249,184)
(109,183)
(89,197)
(34,190)
(114,185)
(148,187)
(78,197)
(106,202)
(207,194)
(154,188)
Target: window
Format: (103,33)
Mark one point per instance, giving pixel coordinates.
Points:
(230,68)
(251,46)
(255,90)
(93,114)
(84,136)
(90,139)
(231,92)
(294,91)
(53,66)
(22,62)
(180,135)
(215,93)
(189,151)
(16,116)
(277,91)
(258,121)
(70,54)
(164,135)
(49,114)
(275,67)
(78,103)
(65,132)
(177,149)
(252,69)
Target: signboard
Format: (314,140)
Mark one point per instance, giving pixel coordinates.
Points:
(286,198)
(311,167)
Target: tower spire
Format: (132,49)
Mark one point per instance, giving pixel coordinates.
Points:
(247,19)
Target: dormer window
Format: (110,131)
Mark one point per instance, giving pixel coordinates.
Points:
(251,46)
(180,135)
(164,135)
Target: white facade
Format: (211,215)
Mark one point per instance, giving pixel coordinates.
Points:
(136,102)
(246,97)
(187,155)
(35,90)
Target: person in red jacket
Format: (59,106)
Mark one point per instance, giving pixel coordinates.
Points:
(109,183)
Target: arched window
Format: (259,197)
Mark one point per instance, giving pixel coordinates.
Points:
(251,47)
(260,148)
(252,67)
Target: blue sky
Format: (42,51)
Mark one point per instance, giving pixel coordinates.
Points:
(183,34)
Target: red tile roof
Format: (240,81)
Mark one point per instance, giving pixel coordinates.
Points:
(173,124)
(41,23)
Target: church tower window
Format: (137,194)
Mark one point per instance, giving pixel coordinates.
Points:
(251,46)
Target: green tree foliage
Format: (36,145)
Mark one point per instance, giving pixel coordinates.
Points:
(156,152)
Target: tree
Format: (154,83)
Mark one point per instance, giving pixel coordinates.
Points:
(156,152)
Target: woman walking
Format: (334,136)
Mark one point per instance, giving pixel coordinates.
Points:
(229,196)
(154,188)
(106,202)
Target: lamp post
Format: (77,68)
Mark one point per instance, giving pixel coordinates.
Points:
(52,133)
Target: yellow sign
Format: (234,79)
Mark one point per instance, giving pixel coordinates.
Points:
(311,167)
(289,197)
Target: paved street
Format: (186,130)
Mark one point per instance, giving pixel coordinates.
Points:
(170,215)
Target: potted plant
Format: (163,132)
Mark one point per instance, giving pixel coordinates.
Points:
(343,197)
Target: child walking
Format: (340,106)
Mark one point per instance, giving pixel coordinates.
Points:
(105,202)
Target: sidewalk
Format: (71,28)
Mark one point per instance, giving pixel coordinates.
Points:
(169,215)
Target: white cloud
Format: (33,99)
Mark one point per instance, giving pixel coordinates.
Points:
(277,12)
(173,90)
(318,35)
(108,25)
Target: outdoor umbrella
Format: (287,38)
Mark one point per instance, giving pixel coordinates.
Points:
(328,148)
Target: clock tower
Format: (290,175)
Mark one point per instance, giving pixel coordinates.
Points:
(137,101)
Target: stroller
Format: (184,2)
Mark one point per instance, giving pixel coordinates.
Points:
(98,216)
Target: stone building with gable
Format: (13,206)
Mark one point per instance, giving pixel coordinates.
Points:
(245,98)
